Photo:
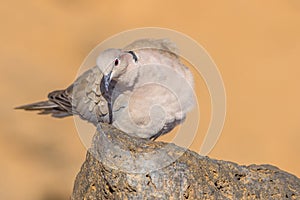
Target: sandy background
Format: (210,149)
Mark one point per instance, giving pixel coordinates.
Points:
(255,44)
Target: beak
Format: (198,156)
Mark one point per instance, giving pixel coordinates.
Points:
(107,79)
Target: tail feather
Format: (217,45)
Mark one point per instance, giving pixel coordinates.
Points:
(46,107)
(38,106)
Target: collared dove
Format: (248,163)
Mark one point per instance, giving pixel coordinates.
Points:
(142,89)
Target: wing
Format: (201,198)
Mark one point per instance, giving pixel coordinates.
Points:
(88,99)
(83,98)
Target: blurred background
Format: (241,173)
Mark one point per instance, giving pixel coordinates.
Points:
(255,44)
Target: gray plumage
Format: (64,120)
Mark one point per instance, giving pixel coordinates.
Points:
(145,84)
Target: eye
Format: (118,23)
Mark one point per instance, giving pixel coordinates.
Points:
(117,61)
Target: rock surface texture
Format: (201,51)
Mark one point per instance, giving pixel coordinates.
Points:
(118,166)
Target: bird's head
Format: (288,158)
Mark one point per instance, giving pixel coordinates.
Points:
(113,63)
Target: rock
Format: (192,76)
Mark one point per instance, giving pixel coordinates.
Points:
(118,166)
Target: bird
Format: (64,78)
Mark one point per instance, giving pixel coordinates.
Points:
(143,89)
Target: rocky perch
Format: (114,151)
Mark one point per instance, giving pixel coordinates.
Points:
(118,166)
